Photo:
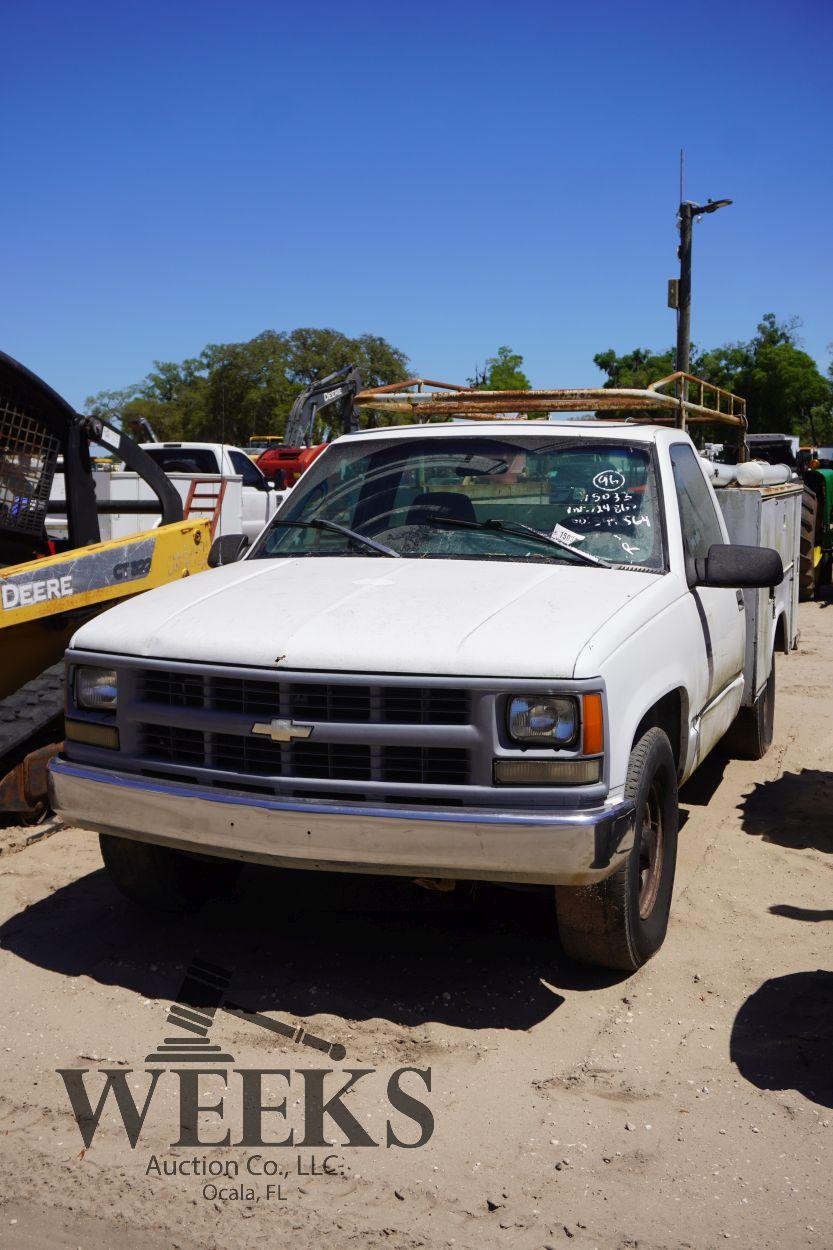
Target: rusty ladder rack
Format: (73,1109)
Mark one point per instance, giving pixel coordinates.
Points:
(680,397)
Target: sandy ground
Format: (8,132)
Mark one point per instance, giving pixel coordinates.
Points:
(690,1105)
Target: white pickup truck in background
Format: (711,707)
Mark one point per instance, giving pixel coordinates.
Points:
(249,499)
(258,499)
(458,651)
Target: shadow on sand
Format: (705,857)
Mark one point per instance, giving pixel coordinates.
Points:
(795,811)
(355,947)
(782,1037)
(801,913)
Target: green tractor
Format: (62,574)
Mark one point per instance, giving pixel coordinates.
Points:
(815,466)
(816,522)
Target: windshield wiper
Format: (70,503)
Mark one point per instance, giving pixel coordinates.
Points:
(361,540)
(520,531)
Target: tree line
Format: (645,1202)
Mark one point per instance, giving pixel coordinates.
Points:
(782,384)
(233,391)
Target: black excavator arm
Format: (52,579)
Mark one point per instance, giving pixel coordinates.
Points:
(336,392)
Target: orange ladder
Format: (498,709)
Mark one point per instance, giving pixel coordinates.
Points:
(205,497)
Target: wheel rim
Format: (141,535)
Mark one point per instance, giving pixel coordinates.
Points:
(651,845)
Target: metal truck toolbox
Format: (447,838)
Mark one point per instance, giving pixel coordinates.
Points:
(766,516)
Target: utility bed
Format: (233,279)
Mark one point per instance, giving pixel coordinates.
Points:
(766,516)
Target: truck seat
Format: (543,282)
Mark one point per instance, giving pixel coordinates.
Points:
(440,503)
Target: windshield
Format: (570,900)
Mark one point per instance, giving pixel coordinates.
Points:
(413,494)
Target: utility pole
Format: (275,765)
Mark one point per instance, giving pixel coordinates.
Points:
(685,220)
(683,359)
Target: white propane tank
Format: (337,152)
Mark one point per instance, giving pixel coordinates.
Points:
(759,473)
(720,474)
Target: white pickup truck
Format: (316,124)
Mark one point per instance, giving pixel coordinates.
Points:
(258,499)
(249,499)
(458,651)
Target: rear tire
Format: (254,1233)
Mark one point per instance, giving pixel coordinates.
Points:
(750,737)
(806,563)
(622,921)
(160,878)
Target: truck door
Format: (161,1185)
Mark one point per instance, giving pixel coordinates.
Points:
(255,494)
(721,611)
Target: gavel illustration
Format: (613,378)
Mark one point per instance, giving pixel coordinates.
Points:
(201,995)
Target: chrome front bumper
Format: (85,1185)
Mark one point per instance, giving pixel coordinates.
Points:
(546,847)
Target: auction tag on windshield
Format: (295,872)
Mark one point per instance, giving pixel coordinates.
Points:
(609,479)
(567,536)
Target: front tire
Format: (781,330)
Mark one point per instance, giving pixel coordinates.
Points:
(160,878)
(622,921)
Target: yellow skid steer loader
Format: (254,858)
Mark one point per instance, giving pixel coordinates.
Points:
(50,585)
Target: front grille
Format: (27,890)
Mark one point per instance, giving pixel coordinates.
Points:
(177,746)
(173,689)
(221,710)
(402,705)
(302,702)
(331,761)
(308,701)
(426,765)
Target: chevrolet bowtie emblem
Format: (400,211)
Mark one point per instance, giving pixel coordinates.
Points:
(282,730)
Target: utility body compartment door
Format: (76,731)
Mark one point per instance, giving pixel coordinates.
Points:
(768,516)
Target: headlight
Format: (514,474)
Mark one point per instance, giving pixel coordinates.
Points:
(96,689)
(543,719)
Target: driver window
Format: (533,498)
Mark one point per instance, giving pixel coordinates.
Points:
(249,471)
(698,518)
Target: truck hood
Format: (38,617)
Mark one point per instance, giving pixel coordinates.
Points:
(366,614)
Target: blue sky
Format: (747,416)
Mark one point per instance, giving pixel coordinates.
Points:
(452,176)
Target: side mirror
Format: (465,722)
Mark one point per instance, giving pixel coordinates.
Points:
(739,568)
(276,480)
(226,549)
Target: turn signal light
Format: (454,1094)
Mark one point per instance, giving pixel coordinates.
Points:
(593,721)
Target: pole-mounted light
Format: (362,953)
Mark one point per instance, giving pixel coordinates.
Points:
(710,206)
(679,291)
